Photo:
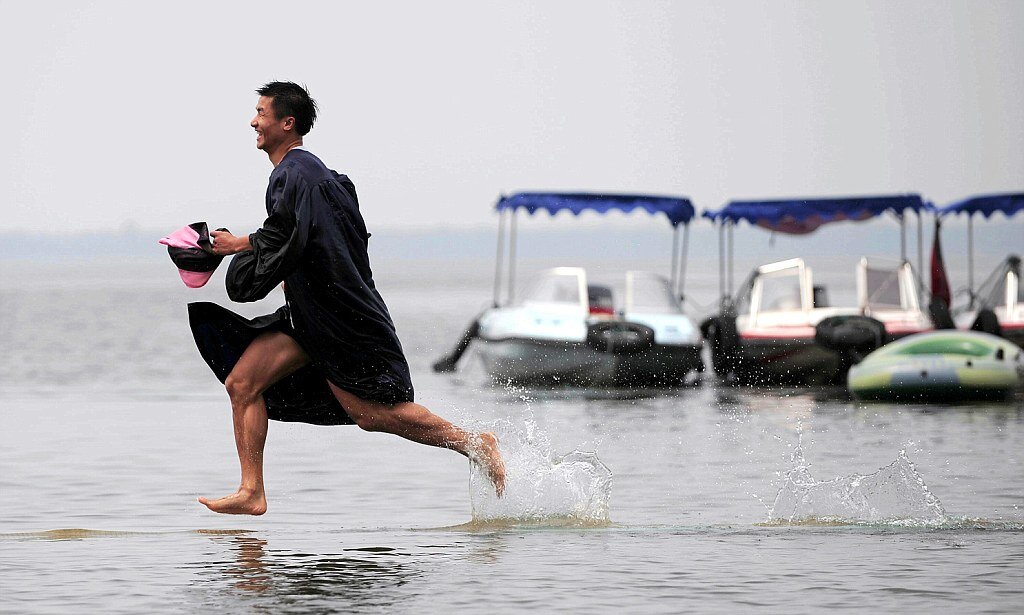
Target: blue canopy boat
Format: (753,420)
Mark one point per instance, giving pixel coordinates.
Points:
(997,306)
(779,327)
(567,329)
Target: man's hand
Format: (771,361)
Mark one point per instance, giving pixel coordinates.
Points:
(224,243)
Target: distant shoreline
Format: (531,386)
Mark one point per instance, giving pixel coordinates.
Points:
(568,239)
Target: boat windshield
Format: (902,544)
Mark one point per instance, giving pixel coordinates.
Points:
(886,287)
(780,292)
(561,286)
(571,288)
(779,287)
(649,293)
(883,288)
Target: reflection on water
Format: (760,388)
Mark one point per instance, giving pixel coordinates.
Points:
(250,570)
(255,575)
(84,534)
(796,403)
(548,393)
(737,393)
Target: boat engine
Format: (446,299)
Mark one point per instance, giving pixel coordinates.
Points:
(619,337)
(853,337)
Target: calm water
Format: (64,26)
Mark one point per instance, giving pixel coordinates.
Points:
(111,425)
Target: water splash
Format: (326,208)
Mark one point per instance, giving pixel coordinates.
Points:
(894,494)
(540,485)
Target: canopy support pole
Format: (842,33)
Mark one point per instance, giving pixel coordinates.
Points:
(498,258)
(970,260)
(721,259)
(920,245)
(512,259)
(675,258)
(682,262)
(730,287)
(903,237)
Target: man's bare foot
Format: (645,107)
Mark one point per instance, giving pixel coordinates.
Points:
(485,453)
(245,501)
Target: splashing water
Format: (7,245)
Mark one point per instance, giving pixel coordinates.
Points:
(541,486)
(894,494)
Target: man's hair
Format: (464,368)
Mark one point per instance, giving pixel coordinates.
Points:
(291,100)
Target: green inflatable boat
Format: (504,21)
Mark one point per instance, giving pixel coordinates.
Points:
(940,366)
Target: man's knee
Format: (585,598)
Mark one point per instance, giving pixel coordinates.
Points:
(241,389)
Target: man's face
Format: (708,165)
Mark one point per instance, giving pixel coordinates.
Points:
(270,130)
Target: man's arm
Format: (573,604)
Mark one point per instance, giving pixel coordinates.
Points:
(225,244)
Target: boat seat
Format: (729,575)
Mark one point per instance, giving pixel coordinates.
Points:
(599,298)
(820,297)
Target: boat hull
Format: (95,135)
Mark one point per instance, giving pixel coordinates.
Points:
(554,363)
(792,361)
(789,361)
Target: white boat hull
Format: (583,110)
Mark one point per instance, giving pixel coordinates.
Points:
(553,363)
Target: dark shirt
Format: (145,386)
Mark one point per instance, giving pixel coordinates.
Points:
(315,241)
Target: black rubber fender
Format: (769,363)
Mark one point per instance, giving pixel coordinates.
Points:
(852,336)
(619,337)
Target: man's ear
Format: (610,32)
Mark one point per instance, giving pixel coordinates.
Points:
(289,123)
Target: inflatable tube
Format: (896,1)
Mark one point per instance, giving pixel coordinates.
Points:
(940,366)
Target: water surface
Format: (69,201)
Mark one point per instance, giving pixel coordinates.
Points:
(111,426)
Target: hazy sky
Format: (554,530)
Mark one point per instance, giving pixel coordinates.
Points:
(125,114)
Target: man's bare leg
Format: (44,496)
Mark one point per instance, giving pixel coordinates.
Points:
(269,358)
(414,422)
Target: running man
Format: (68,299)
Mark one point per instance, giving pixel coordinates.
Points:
(331,355)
